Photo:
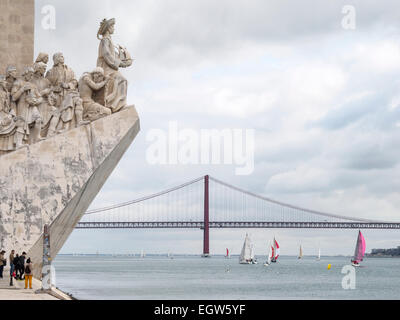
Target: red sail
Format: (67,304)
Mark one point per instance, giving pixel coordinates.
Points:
(277,249)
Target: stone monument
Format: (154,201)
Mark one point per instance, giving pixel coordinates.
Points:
(60,139)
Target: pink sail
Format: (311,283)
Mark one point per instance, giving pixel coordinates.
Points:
(360,248)
(277,250)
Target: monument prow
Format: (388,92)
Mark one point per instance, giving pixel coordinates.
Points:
(60,139)
(54,182)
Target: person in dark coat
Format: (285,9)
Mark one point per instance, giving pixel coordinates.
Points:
(17,267)
(22,265)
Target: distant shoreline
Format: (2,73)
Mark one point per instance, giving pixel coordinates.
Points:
(183,255)
(381,256)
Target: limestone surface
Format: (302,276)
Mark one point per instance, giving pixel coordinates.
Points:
(54,182)
(17,20)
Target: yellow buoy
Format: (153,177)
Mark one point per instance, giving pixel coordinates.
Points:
(329,267)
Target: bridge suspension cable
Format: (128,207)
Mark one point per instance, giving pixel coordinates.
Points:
(314,212)
(155,195)
(228,203)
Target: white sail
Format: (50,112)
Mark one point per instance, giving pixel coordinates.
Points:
(319,254)
(245,255)
(252,252)
(269,254)
(276,251)
(301,252)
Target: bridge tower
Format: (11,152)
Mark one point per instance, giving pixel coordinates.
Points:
(206,240)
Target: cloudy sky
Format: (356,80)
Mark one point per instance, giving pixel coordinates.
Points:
(324,102)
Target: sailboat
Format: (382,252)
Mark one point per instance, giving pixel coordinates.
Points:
(359,251)
(252,256)
(301,253)
(247,254)
(268,262)
(228,255)
(319,254)
(275,251)
(142,255)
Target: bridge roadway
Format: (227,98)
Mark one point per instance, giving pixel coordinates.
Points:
(238,225)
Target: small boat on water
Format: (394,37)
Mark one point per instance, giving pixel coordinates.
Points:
(142,255)
(247,254)
(359,251)
(228,255)
(252,256)
(275,251)
(319,255)
(300,253)
(269,259)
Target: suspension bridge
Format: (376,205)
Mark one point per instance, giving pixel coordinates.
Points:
(207,203)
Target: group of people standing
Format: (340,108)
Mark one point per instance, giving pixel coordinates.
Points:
(36,104)
(20,267)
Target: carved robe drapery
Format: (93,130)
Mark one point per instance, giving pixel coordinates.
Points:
(115,96)
(7,124)
(58,75)
(46,110)
(27,111)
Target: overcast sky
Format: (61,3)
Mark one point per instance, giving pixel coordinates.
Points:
(324,102)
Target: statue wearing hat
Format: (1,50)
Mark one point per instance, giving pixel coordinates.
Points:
(111,58)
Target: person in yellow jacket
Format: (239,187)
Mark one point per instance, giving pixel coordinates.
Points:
(28,273)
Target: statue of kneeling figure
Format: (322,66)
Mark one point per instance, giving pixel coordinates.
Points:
(90,84)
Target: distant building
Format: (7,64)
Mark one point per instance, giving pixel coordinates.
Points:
(386,252)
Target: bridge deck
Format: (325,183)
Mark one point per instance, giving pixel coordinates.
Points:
(237,225)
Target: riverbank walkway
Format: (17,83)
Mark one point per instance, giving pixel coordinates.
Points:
(18,291)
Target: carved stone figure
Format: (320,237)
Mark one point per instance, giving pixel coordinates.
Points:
(26,96)
(48,111)
(7,120)
(4,96)
(72,108)
(42,57)
(89,84)
(11,76)
(60,77)
(115,95)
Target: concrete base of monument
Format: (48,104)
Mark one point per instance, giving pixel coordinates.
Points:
(54,182)
(18,292)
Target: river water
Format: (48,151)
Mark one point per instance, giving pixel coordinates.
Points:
(218,278)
